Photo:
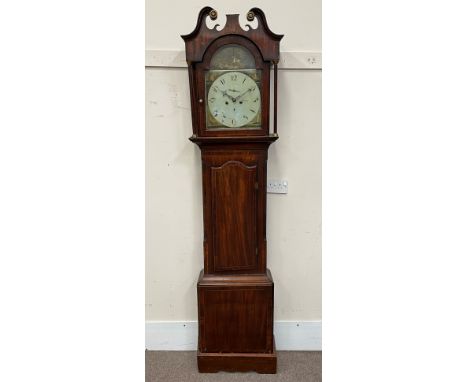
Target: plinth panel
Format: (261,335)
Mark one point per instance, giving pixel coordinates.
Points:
(236,322)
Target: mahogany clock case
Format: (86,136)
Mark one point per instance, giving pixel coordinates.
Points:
(235,289)
(262,66)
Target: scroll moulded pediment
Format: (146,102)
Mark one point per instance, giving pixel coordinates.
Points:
(202,36)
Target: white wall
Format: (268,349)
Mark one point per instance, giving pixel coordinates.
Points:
(173,171)
(298,20)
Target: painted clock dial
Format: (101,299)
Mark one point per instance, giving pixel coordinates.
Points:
(234,99)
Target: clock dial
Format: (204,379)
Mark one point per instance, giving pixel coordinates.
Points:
(234,99)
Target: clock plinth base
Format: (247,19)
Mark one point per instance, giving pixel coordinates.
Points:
(237,362)
(235,317)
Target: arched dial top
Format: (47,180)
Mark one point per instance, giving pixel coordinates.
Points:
(232,86)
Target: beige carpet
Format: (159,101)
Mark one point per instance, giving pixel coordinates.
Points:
(181,366)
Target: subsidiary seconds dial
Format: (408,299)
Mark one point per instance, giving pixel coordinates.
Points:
(234,99)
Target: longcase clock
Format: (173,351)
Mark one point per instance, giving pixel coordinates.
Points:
(229,75)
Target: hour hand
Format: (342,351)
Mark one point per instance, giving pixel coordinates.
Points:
(225,93)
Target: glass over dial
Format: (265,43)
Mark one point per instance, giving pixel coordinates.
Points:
(234,99)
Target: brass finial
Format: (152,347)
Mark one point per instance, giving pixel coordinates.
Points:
(213,14)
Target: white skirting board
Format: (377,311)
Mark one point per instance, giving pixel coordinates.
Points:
(183,335)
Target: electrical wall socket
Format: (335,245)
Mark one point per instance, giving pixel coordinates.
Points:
(277,186)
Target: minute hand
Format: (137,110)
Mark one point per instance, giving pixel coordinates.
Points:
(239,96)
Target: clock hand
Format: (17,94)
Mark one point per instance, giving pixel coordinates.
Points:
(225,93)
(239,96)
